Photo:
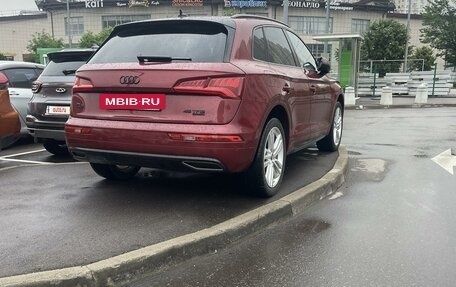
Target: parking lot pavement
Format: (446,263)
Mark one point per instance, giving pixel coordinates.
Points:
(58,213)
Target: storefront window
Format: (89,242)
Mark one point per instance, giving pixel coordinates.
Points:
(309,25)
(76,26)
(111,21)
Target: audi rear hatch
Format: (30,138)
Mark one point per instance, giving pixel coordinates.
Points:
(162,71)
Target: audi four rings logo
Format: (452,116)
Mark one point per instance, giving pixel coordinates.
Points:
(60,90)
(129,80)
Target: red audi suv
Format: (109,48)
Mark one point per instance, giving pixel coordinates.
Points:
(219,94)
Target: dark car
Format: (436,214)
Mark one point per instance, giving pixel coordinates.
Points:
(49,107)
(221,94)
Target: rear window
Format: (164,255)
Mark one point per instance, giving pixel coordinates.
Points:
(62,68)
(195,40)
(65,64)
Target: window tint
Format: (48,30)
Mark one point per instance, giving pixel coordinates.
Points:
(200,41)
(21,78)
(260,50)
(279,50)
(305,58)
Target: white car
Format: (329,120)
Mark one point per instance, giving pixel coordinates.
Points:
(20,78)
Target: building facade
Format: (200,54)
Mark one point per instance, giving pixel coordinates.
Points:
(307,18)
(416,7)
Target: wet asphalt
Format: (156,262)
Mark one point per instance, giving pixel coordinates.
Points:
(393,222)
(58,213)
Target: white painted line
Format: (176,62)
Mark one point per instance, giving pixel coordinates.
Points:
(23,153)
(34,164)
(25,161)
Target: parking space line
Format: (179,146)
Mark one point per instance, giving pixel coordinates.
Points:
(23,153)
(24,161)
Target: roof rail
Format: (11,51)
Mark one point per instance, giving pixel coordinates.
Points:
(247,16)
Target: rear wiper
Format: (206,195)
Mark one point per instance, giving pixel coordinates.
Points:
(160,59)
(68,72)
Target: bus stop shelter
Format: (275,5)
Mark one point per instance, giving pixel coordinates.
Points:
(348,55)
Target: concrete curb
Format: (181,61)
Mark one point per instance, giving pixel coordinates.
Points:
(123,268)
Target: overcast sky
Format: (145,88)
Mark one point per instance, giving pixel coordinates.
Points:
(17,5)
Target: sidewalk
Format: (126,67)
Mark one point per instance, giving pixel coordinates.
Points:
(366,102)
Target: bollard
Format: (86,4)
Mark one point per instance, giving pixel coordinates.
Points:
(387,96)
(421,94)
(350,99)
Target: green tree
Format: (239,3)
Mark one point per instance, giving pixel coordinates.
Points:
(2,57)
(385,40)
(439,21)
(424,53)
(89,38)
(43,40)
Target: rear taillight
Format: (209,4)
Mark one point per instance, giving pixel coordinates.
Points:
(82,85)
(230,87)
(36,86)
(77,105)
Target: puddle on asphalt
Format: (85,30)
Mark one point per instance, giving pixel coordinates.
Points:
(372,169)
(314,226)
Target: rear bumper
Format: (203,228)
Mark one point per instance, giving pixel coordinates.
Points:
(40,129)
(178,163)
(148,144)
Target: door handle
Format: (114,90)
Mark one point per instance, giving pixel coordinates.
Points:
(13,93)
(313,89)
(287,89)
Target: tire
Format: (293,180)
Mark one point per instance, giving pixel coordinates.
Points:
(115,172)
(332,141)
(58,148)
(265,175)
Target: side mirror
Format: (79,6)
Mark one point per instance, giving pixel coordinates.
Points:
(323,66)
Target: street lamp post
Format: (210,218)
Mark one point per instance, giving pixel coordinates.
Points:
(408,32)
(68,24)
(285,11)
(325,47)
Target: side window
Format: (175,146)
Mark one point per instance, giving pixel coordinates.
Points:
(278,47)
(260,48)
(305,58)
(21,78)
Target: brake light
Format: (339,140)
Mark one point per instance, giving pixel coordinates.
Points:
(205,138)
(230,87)
(36,86)
(77,105)
(82,85)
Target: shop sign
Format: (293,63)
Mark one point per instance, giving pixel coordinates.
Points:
(336,5)
(187,3)
(94,3)
(333,5)
(242,3)
(304,4)
(138,3)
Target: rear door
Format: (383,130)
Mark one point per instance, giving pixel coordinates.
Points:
(292,83)
(320,99)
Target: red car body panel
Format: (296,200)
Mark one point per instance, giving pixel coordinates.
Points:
(305,100)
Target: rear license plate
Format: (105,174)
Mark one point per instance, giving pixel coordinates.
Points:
(132,101)
(57,110)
